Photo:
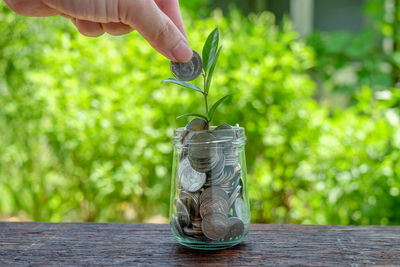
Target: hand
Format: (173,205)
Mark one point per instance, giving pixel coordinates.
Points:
(159,21)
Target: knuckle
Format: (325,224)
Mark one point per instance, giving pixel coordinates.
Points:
(128,12)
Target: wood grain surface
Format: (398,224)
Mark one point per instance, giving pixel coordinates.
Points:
(88,244)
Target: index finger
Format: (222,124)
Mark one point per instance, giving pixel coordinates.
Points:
(31,8)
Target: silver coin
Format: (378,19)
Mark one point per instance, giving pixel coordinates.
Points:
(213,192)
(236,228)
(196,125)
(227,188)
(203,137)
(196,225)
(235,194)
(191,200)
(218,170)
(203,166)
(189,70)
(175,225)
(242,212)
(223,127)
(225,176)
(191,231)
(190,179)
(191,128)
(215,226)
(232,158)
(182,213)
(203,156)
(182,166)
(225,131)
(229,173)
(214,204)
(227,134)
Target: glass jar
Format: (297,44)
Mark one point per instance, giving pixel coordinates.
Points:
(209,206)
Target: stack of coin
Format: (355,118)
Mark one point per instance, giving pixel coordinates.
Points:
(210,204)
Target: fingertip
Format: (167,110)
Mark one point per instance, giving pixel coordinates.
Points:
(92,34)
(116,29)
(182,52)
(89,28)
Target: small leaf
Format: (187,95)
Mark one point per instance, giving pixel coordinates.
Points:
(210,48)
(182,83)
(211,71)
(214,107)
(193,115)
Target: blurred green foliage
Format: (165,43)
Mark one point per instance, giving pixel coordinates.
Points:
(348,61)
(86,126)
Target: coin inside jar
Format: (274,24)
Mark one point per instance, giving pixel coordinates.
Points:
(176,225)
(242,212)
(190,179)
(214,204)
(187,71)
(191,231)
(196,125)
(215,225)
(212,192)
(191,200)
(182,213)
(236,228)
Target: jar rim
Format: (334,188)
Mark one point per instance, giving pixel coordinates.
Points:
(235,135)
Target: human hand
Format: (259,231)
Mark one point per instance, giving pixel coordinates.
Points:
(159,21)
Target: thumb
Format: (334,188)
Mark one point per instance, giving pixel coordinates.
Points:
(172,10)
(158,29)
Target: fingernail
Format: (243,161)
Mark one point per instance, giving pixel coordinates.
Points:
(182,52)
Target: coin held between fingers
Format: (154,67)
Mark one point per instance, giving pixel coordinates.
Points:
(187,71)
(182,52)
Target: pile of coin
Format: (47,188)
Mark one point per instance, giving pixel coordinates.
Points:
(210,203)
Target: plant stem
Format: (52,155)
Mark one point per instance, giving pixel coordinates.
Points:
(204,92)
(206,100)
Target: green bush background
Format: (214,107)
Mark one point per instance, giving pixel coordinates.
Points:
(86,125)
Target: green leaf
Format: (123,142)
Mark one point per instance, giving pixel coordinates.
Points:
(193,115)
(210,48)
(211,71)
(182,83)
(214,107)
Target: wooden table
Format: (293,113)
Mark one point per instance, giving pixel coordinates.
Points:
(86,244)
